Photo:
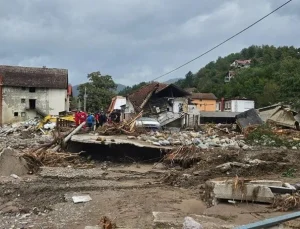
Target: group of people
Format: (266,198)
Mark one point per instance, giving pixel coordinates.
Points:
(91,119)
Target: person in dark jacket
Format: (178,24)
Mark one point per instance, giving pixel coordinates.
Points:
(103,119)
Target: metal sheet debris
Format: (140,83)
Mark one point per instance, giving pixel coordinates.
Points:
(81,199)
(248,118)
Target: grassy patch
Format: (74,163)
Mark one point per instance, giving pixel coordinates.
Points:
(265,136)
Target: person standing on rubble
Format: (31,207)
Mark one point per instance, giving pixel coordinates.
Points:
(97,119)
(103,119)
(82,117)
(90,121)
(76,118)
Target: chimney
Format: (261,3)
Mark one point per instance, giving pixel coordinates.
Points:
(222,104)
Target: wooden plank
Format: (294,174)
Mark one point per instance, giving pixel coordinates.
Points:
(270,222)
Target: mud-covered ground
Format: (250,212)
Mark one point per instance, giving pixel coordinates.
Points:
(130,193)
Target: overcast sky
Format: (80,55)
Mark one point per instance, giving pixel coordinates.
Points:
(136,40)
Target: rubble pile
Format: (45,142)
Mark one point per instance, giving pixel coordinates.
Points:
(37,159)
(201,139)
(183,155)
(12,163)
(287,202)
(23,135)
(120,128)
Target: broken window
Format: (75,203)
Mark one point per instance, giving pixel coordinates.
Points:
(23,100)
(31,103)
(23,114)
(16,114)
(32,89)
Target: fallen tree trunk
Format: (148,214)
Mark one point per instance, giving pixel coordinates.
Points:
(73,132)
(66,139)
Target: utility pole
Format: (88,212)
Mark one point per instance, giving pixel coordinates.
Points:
(79,105)
(84,100)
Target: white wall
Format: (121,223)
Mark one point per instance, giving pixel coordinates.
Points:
(57,99)
(241,105)
(50,101)
(177,102)
(119,102)
(129,107)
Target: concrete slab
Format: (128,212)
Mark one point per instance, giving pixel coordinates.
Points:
(267,182)
(111,140)
(168,220)
(247,192)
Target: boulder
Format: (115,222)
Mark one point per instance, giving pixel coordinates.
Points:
(196,141)
(11,163)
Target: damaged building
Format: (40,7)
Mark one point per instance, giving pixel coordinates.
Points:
(29,92)
(167,103)
(280,115)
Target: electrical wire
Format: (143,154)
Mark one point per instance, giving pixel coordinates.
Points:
(228,39)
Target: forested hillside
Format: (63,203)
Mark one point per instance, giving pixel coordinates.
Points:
(274,76)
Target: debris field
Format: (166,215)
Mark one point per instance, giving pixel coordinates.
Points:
(215,177)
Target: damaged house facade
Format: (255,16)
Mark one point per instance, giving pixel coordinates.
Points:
(28,92)
(167,103)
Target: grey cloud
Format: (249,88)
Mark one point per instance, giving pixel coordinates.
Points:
(135,40)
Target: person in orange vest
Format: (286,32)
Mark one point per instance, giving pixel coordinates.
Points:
(76,118)
(82,117)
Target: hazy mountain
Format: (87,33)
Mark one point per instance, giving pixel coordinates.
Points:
(172,80)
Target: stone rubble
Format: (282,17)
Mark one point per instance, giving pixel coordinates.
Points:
(200,139)
(23,135)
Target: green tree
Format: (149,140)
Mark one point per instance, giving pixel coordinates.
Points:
(99,90)
(128,90)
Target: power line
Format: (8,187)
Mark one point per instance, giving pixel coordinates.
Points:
(223,41)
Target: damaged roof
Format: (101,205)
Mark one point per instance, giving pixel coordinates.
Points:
(17,76)
(139,97)
(208,96)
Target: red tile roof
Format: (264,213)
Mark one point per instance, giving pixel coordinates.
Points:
(138,97)
(208,96)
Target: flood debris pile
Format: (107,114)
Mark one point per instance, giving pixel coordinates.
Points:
(127,128)
(287,202)
(183,155)
(106,223)
(37,159)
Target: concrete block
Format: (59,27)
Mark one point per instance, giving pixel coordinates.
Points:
(169,220)
(246,192)
(190,223)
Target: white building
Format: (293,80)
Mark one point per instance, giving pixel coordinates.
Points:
(27,92)
(241,64)
(235,105)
